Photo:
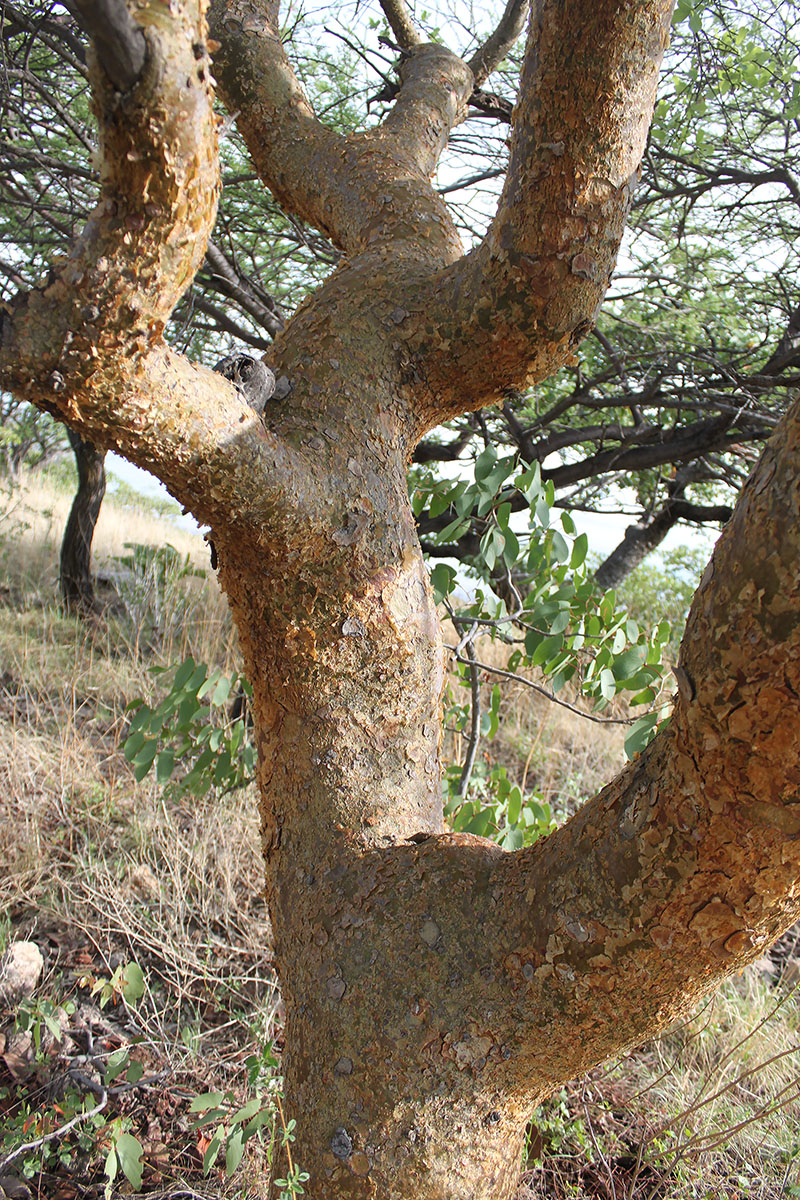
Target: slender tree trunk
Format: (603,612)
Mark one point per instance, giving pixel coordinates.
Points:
(75,574)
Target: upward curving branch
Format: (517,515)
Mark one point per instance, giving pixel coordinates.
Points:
(401,23)
(287,143)
(514,310)
(487,58)
(87,344)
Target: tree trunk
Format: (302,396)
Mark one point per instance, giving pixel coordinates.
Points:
(75,573)
(638,542)
(436,987)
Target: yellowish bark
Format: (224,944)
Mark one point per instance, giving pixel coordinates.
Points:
(436,987)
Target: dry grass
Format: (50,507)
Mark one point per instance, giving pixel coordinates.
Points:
(98,869)
(710,1110)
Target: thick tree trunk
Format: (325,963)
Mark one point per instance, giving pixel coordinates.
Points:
(75,569)
(436,987)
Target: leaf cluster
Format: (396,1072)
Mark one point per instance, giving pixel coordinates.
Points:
(188,735)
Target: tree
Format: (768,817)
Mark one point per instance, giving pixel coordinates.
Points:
(75,574)
(436,987)
(666,405)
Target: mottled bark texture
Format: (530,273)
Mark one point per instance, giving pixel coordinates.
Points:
(436,988)
(75,563)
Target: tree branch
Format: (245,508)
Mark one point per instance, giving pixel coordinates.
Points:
(358,190)
(435,87)
(289,147)
(119,42)
(86,345)
(686,867)
(222,320)
(641,539)
(514,310)
(226,280)
(489,56)
(401,23)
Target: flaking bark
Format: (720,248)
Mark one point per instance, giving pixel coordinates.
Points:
(436,988)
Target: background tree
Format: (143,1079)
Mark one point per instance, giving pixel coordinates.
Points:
(436,987)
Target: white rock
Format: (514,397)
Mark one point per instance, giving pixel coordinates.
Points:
(20,970)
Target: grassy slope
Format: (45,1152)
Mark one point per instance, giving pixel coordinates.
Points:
(100,870)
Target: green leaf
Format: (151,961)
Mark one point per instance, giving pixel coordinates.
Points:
(484,462)
(133,745)
(129,1152)
(580,548)
(511,548)
(145,756)
(560,546)
(234,1152)
(135,1071)
(442,581)
(116,1063)
(608,684)
(164,766)
(513,840)
(262,1118)
(222,691)
(198,678)
(213,1149)
(244,1113)
(183,673)
(627,664)
(530,483)
(205,1101)
(481,824)
(514,805)
(110,1170)
(132,985)
(640,734)
(560,621)
(453,531)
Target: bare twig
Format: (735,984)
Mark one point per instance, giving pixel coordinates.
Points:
(528,683)
(55,1133)
(475,720)
(489,56)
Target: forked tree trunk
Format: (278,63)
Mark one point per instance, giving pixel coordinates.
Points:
(75,567)
(436,987)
